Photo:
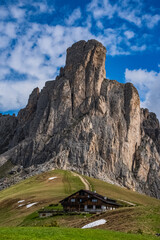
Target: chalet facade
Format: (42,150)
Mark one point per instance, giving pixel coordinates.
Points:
(87,201)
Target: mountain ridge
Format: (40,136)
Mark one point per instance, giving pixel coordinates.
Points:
(87,123)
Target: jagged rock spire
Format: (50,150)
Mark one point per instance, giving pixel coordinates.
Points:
(85,69)
(85,122)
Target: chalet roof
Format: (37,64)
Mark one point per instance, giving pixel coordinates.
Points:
(95,195)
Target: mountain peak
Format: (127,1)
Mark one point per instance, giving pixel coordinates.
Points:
(87,123)
(78,52)
(85,69)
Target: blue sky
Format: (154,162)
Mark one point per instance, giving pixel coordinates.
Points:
(34,36)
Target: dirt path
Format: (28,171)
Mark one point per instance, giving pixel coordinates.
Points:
(88,186)
(84,181)
(131,204)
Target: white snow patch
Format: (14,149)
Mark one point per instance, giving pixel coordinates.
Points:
(31,204)
(95,223)
(20,205)
(21,201)
(51,178)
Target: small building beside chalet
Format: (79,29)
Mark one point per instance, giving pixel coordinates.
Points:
(87,201)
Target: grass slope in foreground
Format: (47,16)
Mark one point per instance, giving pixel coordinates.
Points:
(144,217)
(66,234)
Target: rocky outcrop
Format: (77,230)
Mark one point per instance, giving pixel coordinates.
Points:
(8,126)
(146,162)
(85,122)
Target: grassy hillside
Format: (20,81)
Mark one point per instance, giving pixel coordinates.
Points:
(35,189)
(66,234)
(121,193)
(143,218)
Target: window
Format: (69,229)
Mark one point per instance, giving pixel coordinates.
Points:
(94,200)
(73,199)
(90,207)
(98,207)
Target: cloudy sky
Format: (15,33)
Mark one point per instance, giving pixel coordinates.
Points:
(34,36)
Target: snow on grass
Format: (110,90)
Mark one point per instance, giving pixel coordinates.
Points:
(20,205)
(51,178)
(95,223)
(21,201)
(31,204)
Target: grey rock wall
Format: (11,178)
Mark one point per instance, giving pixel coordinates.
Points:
(85,122)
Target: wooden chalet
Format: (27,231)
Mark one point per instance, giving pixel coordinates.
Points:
(87,201)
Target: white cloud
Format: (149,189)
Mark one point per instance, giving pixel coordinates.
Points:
(130,11)
(139,48)
(41,7)
(101,8)
(4,71)
(4,41)
(129,15)
(40,49)
(148,85)
(112,39)
(8,29)
(99,24)
(150,20)
(17,12)
(123,9)
(129,34)
(76,15)
(3,12)
(14,94)
(30,60)
(38,54)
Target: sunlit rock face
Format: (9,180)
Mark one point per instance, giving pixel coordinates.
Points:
(82,121)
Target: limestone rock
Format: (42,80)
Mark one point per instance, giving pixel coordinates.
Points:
(8,126)
(85,122)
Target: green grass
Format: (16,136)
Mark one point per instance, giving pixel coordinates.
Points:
(35,189)
(57,207)
(67,220)
(40,187)
(122,193)
(145,217)
(66,234)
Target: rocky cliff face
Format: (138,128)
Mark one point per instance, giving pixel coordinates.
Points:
(85,122)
